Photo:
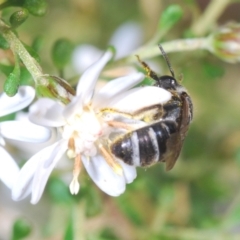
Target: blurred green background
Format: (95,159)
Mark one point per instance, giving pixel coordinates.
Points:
(200,197)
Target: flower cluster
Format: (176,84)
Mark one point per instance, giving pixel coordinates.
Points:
(85,133)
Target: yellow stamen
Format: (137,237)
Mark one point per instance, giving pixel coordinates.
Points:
(75,186)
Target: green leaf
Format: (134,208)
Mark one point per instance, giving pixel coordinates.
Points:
(11,84)
(18,18)
(13,80)
(37,44)
(170,17)
(61,53)
(21,229)
(36,7)
(25,76)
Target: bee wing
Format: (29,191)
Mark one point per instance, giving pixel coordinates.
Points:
(186,115)
(175,141)
(175,144)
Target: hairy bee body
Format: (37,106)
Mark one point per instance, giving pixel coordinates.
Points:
(162,139)
(144,146)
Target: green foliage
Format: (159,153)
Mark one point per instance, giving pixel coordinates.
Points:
(37,44)
(36,7)
(11,84)
(171,15)
(61,53)
(13,80)
(18,18)
(21,229)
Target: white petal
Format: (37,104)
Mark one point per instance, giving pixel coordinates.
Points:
(49,159)
(88,79)
(84,56)
(22,99)
(8,168)
(23,185)
(127,38)
(47,112)
(103,176)
(139,98)
(74,107)
(24,131)
(130,172)
(115,87)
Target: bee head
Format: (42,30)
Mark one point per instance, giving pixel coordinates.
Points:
(167,82)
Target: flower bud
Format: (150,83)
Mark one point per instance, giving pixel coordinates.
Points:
(225,43)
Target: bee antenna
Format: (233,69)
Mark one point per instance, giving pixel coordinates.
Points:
(166,59)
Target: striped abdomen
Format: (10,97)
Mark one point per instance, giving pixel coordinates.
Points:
(144,146)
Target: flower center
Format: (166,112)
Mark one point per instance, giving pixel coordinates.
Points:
(86,134)
(82,130)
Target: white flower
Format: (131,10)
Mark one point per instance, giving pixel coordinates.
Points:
(16,130)
(127,38)
(85,132)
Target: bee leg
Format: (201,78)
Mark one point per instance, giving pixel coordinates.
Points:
(122,125)
(110,160)
(149,71)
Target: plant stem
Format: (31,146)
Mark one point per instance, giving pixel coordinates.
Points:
(172,46)
(18,48)
(49,86)
(208,19)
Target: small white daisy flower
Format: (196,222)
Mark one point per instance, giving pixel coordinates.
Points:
(85,133)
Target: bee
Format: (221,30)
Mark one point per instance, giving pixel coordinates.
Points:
(161,139)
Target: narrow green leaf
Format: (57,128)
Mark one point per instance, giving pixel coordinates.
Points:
(13,80)
(11,84)
(170,17)
(18,18)
(61,53)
